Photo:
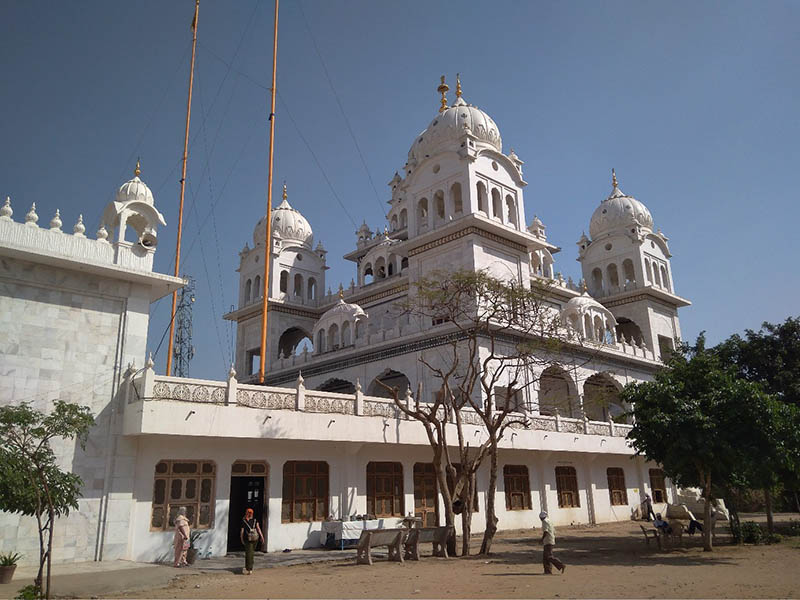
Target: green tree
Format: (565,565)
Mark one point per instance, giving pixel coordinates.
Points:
(700,421)
(31,481)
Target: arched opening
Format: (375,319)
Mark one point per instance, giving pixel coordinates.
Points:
(649,272)
(422,215)
(601,399)
(380,268)
(346,334)
(337,386)
(629,332)
(403,263)
(587,327)
(554,393)
(511,211)
(664,279)
(438,206)
(320,341)
(358,330)
(613,276)
(257,291)
(455,199)
(403,219)
(536,263)
(369,276)
(394,379)
(333,337)
(284,286)
(393,223)
(497,205)
(599,328)
(312,288)
(575,323)
(247,290)
(291,340)
(482,198)
(547,264)
(298,285)
(628,273)
(597,280)
(391,267)
(656,279)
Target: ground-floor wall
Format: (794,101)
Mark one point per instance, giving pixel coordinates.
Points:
(347,488)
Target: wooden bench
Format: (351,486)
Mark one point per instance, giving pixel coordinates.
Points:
(427,535)
(651,533)
(373,538)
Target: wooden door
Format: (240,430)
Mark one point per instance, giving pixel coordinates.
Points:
(426,505)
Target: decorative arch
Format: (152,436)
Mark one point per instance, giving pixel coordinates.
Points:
(390,378)
(369,275)
(497,205)
(321,339)
(393,223)
(456,202)
(380,268)
(597,280)
(338,386)
(257,290)
(333,337)
(290,341)
(312,288)
(664,278)
(482,198)
(247,290)
(403,218)
(613,275)
(556,392)
(298,285)
(422,215)
(284,284)
(346,337)
(511,211)
(629,332)
(628,272)
(601,398)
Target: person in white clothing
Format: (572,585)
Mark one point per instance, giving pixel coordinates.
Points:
(548,541)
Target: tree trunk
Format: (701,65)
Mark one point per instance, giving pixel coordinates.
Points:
(466,520)
(491,516)
(447,500)
(796,501)
(768,508)
(49,546)
(707,545)
(38,580)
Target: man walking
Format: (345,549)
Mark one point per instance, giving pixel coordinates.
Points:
(548,541)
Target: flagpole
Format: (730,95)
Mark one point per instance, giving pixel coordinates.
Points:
(268,226)
(183,187)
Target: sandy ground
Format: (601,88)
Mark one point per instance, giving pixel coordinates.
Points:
(609,561)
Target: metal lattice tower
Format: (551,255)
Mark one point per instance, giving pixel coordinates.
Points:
(183,351)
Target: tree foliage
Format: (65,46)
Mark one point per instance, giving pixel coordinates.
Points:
(702,422)
(31,481)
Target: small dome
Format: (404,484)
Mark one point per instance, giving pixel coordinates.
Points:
(135,190)
(449,126)
(287,224)
(619,213)
(583,303)
(344,310)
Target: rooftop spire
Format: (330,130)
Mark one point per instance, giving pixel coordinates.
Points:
(138,170)
(614,179)
(443,89)
(285,195)
(458,85)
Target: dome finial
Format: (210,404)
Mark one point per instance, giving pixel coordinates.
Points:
(138,170)
(584,290)
(341,292)
(443,89)
(614,179)
(285,195)
(458,85)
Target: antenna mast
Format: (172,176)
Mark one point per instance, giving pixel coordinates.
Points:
(183,187)
(267,251)
(184,350)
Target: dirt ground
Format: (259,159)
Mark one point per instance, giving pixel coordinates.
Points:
(608,561)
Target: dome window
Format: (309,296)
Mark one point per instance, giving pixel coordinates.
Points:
(436,168)
(494,165)
(608,246)
(299,257)
(605,210)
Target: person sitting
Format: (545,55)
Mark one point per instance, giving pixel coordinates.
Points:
(662,525)
(694,525)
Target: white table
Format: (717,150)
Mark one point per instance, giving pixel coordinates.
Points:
(347,532)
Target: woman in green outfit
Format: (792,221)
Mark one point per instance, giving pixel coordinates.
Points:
(250,534)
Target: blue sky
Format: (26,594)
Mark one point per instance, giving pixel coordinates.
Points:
(693,103)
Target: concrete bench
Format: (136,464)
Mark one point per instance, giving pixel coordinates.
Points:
(427,535)
(651,533)
(373,538)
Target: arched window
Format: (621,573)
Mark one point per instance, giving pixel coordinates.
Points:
(393,379)
(628,272)
(312,288)
(482,198)
(587,327)
(649,272)
(511,210)
(298,285)
(599,329)
(358,330)
(403,263)
(394,223)
(380,268)
(291,340)
(391,268)
(403,219)
(656,279)
(613,276)
(257,293)
(664,278)
(601,399)
(369,275)
(536,263)
(554,393)
(321,341)
(346,334)
(422,215)
(597,280)
(284,281)
(438,205)
(333,337)
(629,332)
(247,287)
(497,205)
(455,199)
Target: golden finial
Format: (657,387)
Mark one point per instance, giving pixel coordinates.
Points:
(458,85)
(285,195)
(341,292)
(614,178)
(443,89)
(138,170)
(584,286)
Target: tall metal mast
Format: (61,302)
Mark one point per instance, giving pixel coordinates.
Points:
(184,350)
(267,252)
(183,187)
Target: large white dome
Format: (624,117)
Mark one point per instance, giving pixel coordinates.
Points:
(449,126)
(618,214)
(288,224)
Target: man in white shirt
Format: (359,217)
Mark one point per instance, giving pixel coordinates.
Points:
(548,541)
